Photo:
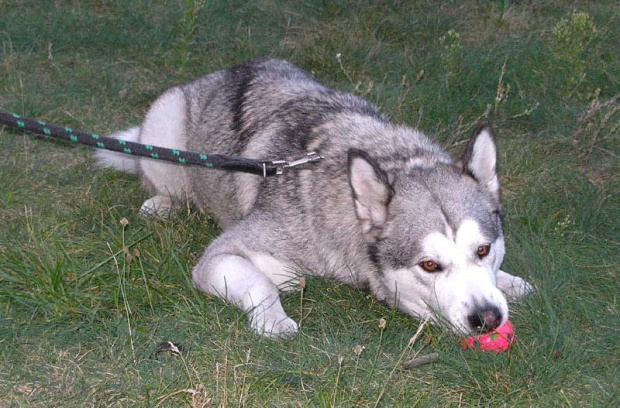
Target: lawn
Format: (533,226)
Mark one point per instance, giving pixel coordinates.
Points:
(89,289)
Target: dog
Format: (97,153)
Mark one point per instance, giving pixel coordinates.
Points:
(386,210)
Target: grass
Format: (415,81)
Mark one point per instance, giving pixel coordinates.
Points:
(81,316)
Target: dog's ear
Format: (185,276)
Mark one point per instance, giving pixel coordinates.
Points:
(371,191)
(480,160)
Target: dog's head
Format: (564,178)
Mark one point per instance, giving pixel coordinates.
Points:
(434,231)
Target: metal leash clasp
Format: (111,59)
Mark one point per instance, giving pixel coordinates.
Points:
(283,165)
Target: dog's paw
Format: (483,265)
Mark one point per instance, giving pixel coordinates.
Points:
(158,206)
(273,325)
(513,287)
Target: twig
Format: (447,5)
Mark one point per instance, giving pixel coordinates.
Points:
(335,392)
(418,361)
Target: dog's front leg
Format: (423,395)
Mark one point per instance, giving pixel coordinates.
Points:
(513,287)
(236,279)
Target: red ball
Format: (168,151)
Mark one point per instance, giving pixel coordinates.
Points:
(498,340)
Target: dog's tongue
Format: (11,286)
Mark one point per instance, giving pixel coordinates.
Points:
(498,340)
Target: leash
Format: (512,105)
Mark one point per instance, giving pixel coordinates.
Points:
(212,161)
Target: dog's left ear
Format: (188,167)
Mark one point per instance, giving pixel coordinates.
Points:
(480,160)
(372,193)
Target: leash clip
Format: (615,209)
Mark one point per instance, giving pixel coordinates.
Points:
(282,165)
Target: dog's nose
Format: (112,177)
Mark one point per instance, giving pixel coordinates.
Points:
(485,319)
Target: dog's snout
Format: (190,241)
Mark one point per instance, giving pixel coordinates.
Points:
(485,319)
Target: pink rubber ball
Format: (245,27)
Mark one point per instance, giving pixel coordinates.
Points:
(498,340)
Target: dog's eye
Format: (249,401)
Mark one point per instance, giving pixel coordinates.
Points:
(483,250)
(430,266)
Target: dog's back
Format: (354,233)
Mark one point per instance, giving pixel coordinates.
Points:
(272,109)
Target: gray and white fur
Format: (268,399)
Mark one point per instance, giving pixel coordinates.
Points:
(387,209)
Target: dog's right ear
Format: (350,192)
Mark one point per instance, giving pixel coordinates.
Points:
(480,160)
(371,191)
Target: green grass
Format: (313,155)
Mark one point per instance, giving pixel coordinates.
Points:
(81,319)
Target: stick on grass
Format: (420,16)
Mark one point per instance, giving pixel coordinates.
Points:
(422,360)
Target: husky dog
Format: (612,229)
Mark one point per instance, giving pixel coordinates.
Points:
(387,209)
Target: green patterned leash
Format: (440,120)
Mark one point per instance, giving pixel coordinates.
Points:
(212,161)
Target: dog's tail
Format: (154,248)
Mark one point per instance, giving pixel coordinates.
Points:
(119,161)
